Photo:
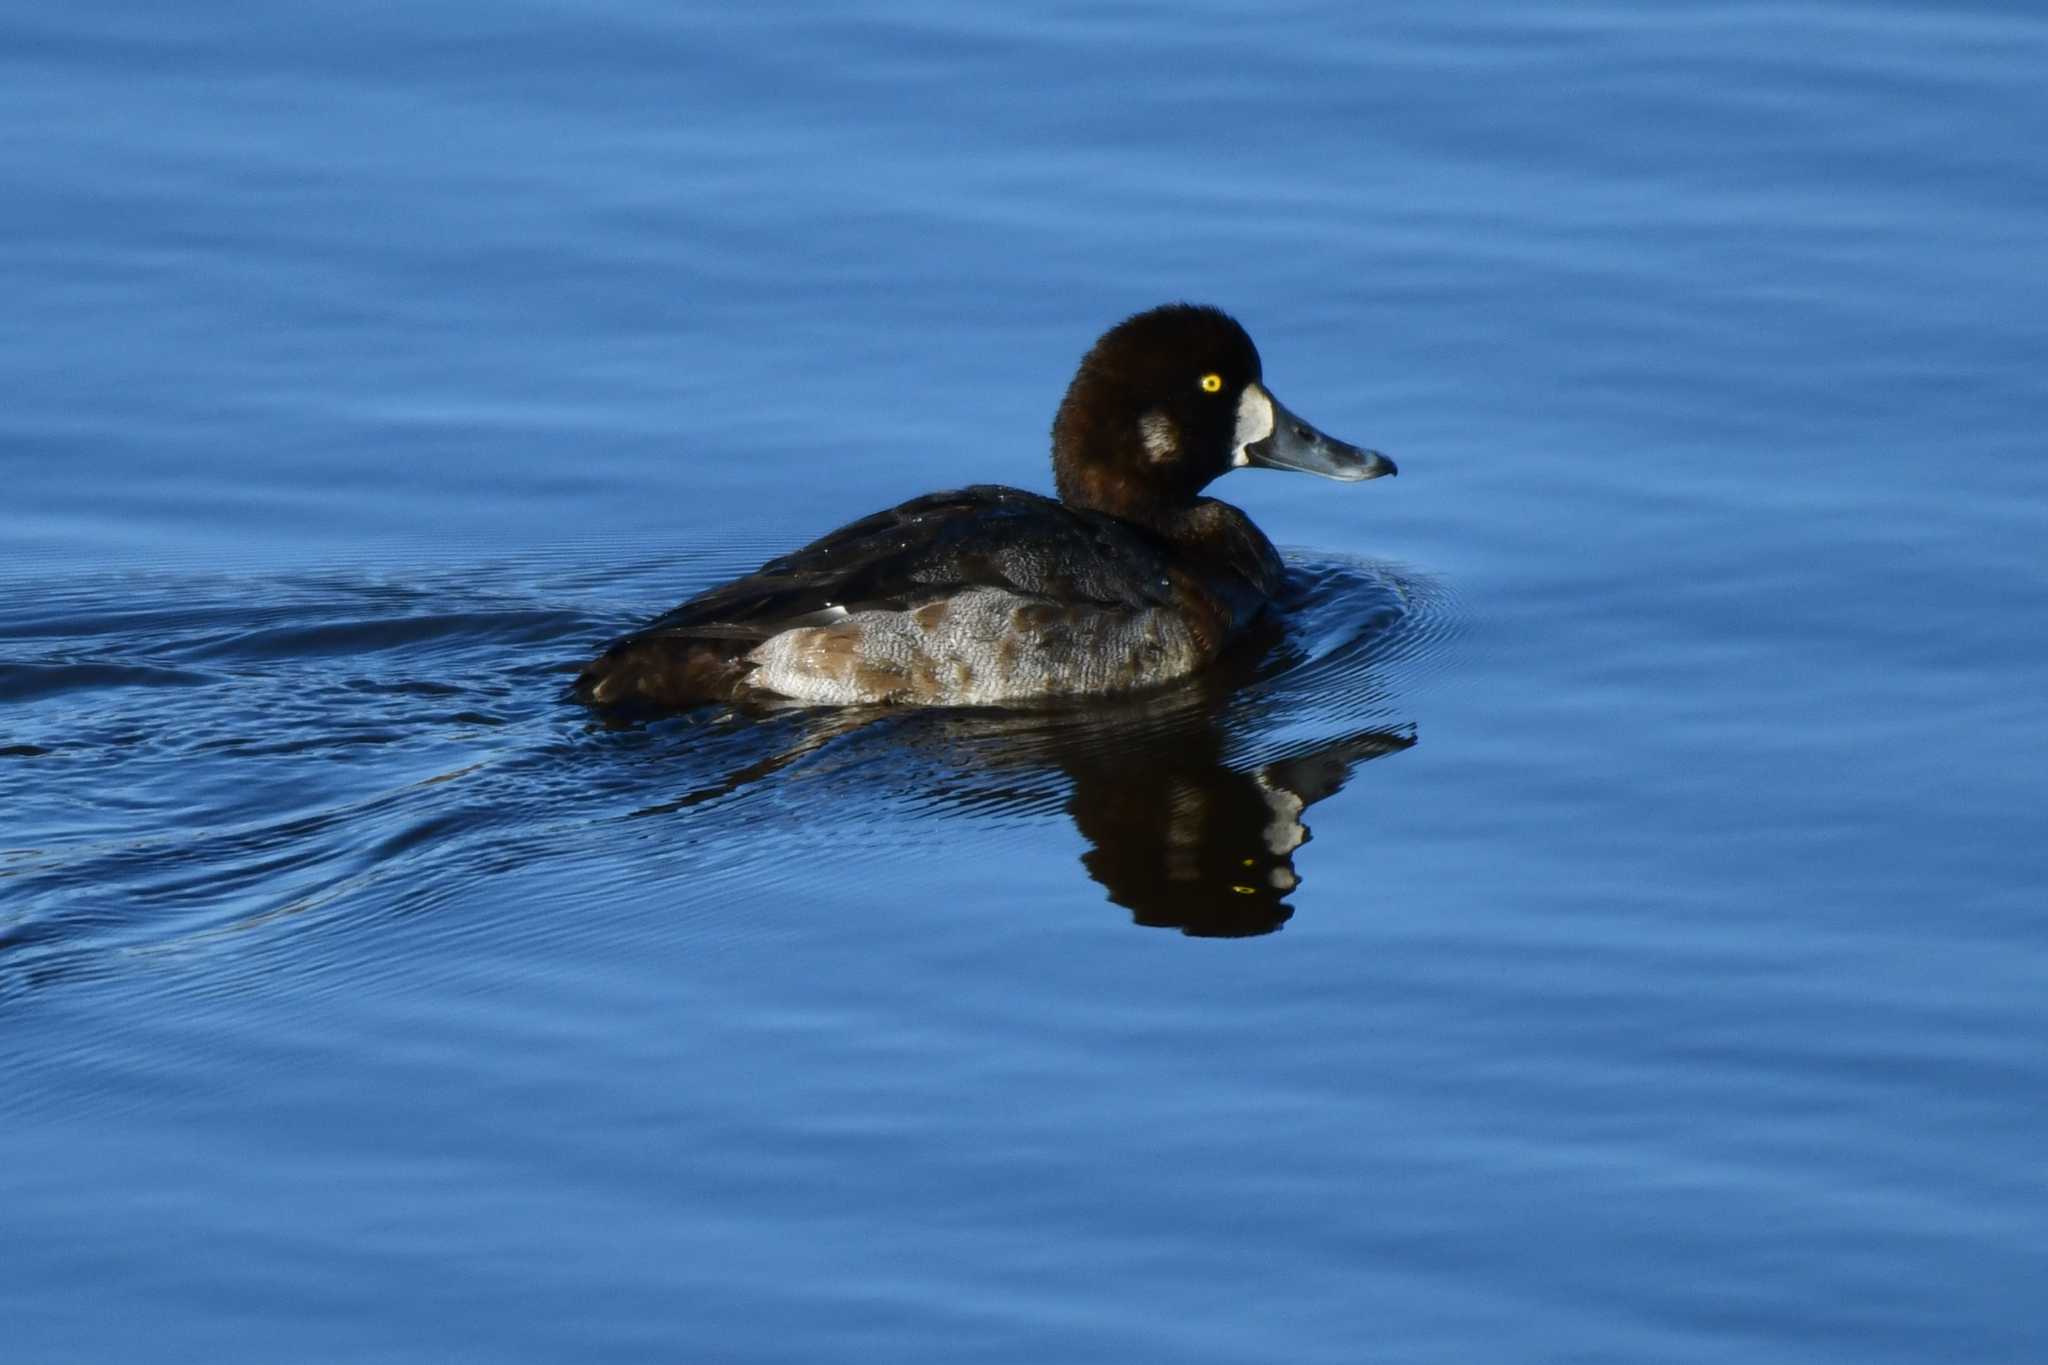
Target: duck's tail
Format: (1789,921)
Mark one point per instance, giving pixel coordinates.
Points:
(660,669)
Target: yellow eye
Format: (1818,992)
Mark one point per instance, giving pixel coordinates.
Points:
(1212,383)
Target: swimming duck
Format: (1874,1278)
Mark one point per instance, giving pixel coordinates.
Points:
(992,595)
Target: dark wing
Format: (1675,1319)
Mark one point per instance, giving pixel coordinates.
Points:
(981,537)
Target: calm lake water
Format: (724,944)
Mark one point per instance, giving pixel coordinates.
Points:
(1664,977)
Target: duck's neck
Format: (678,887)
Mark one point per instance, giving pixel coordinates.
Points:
(1222,534)
(1206,530)
(1102,488)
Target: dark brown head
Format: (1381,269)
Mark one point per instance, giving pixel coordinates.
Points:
(1167,400)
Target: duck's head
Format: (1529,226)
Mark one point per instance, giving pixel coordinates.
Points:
(1167,400)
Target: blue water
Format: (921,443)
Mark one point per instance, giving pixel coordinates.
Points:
(1663,976)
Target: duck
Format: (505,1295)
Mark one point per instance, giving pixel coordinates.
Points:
(991,596)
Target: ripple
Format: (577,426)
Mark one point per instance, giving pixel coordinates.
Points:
(1179,790)
(362,748)
(27,682)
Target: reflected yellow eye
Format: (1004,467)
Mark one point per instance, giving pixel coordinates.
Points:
(1212,383)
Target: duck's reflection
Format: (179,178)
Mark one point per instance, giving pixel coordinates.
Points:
(1179,833)
(1184,840)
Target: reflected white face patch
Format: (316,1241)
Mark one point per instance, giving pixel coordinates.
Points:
(1284,830)
(1254,422)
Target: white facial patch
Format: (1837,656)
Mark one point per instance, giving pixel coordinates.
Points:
(1254,422)
(1162,442)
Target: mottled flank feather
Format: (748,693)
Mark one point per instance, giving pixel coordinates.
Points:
(979,647)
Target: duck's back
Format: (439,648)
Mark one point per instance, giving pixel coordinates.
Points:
(983,595)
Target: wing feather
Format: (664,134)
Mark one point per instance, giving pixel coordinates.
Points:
(930,547)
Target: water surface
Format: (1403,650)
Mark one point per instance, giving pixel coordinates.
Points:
(1604,922)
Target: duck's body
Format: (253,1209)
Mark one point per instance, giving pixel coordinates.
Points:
(993,595)
(980,596)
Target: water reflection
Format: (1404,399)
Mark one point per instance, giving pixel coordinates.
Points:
(1191,801)
(1184,840)
(1184,829)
